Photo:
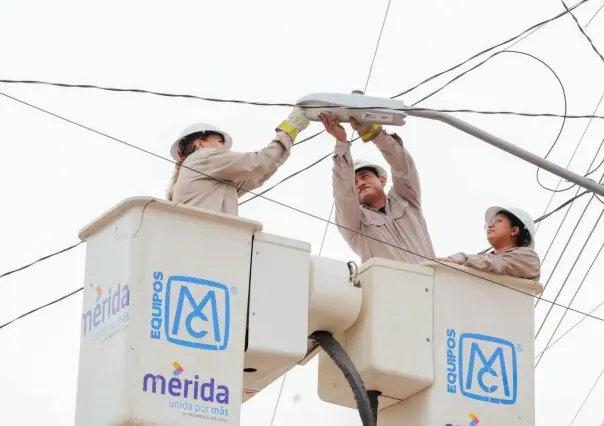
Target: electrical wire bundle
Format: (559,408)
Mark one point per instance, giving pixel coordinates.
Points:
(591,169)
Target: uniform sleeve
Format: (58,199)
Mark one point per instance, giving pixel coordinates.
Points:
(348,211)
(520,263)
(405,179)
(247,185)
(242,166)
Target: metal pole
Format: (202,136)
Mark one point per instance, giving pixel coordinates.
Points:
(510,148)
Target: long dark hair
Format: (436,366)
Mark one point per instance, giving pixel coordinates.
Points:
(523,239)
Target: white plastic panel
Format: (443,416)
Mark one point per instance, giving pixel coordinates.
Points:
(176,359)
(391,342)
(278,307)
(335,303)
(483,353)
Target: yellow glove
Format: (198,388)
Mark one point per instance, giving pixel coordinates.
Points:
(294,124)
(367,132)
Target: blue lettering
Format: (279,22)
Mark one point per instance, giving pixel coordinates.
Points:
(492,369)
(451,362)
(197,312)
(487,368)
(156,305)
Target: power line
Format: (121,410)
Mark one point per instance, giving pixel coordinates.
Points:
(570,237)
(532,30)
(593,46)
(547,345)
(42,307)
(405,109)
(564,251)
(568,165)
(278,399)
(596,14)
(587,397)
(523,35)
(572,267)
(555,75)
(467,272)
(6,274)
(284,104)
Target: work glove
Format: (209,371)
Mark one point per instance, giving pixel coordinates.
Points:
(294,123)
(367,132)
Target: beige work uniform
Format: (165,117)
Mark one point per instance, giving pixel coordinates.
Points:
(197,183)
(402,226)
(519,262)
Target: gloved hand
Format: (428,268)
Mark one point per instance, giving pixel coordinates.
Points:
(367,132)
(294,123)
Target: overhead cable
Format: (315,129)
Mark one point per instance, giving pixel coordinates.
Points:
(41,307)
(593,17)
(405,109)
(531,30)
(547,345)
(517,38)
(587,397)
(568,165)
(572,267)
(467,272)
(569,238)
(48,256)
(165,94)
(562,254)
(593,46)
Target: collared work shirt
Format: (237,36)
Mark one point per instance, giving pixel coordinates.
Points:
(519,262)
(214,179)
(402,226)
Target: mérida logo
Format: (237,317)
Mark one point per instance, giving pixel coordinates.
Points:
(188,389)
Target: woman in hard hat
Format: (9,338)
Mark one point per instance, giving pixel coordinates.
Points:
(211,176)
(511,233)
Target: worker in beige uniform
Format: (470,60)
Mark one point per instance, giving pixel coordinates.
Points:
(211,176)
(511,233)
(363,206)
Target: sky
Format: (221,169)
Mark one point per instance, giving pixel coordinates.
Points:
(58,177)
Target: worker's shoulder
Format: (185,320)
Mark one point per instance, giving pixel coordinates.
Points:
(526,252)
(204,154)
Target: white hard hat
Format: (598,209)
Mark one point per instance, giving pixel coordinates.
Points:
(362,164)
(198,127)
(524,217)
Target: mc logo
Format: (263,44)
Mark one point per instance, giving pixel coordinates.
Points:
(194,312)
(484,368)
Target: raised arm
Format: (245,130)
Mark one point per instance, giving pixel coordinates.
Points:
(243,186)
(348,211)
(287,131)
(239,166)
(249,170)
(346,201)
(405,179)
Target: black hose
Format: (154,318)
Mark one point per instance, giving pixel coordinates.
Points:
(374,401)
(339,356)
